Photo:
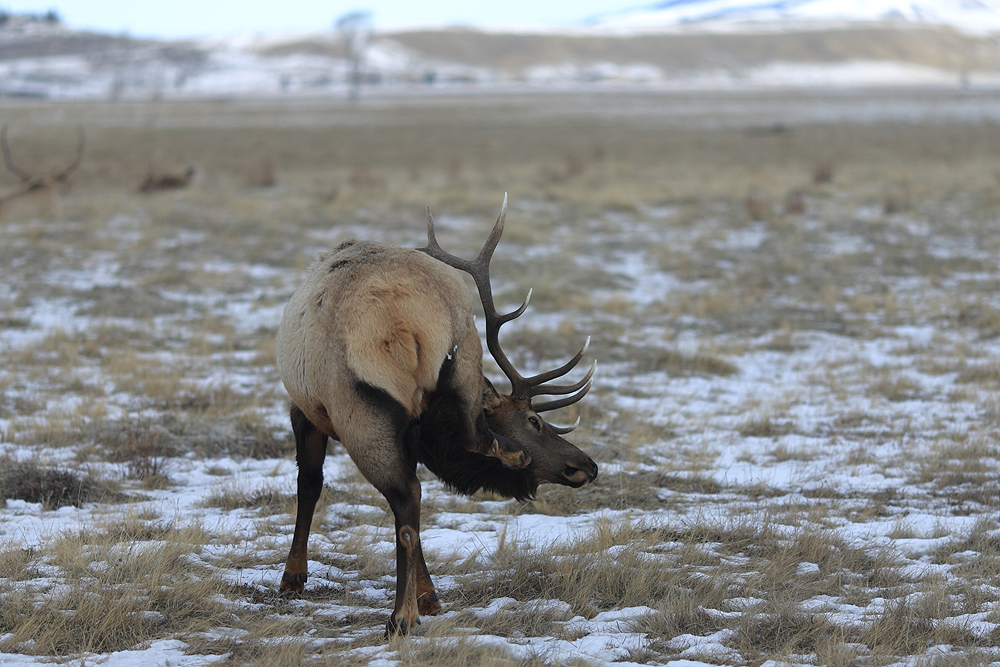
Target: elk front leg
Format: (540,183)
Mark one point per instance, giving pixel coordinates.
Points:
(455,412)
(509,453)
(310,452)
(448,418)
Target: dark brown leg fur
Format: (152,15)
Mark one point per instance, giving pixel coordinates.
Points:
(404,500)
(310,452)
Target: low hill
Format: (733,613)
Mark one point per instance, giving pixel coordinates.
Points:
(59,63)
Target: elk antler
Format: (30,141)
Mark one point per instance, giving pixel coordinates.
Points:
(521,387)
(64,174)
(59,176)
(11,167)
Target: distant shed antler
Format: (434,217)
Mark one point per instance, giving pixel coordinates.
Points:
(521,387)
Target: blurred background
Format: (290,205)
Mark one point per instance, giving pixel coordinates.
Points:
(190,50)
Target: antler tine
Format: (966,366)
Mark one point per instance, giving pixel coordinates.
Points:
(479,269)
(563,402)
(486,254)
(563,430)
(559,389)
(476,267)
(434,249)
(514,314)
(64,174)
(11,167)
(432,243)
(558,372)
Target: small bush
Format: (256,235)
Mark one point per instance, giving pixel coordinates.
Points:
(52,487)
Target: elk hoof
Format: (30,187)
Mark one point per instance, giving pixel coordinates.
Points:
(396,628)
(428,605)
(293,583)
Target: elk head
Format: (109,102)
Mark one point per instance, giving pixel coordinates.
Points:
(38,187)
(515,416)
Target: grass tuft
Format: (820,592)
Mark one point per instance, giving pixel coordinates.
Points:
(52,487)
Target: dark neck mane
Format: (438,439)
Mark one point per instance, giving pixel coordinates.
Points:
(436,442)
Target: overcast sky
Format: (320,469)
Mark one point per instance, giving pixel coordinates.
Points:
(200,18)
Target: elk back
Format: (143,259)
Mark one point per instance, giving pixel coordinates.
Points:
(376,316)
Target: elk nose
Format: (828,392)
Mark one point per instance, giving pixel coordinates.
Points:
(572,472)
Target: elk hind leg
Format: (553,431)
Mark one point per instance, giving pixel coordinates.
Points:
(405,616)
(383,452)
(310,452)
(411,577)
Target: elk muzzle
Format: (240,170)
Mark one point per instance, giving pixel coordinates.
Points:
(577,473)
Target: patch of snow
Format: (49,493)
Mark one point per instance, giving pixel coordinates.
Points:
(977,17)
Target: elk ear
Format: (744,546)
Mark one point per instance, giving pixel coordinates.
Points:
(491,398)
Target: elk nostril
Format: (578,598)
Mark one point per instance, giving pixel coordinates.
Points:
(593,475)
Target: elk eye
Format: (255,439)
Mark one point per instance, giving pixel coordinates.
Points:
(534,422)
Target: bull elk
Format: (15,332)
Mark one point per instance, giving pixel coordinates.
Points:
(39,190)
(378,349)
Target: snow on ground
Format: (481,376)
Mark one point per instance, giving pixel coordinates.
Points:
(860,426)
(705,413)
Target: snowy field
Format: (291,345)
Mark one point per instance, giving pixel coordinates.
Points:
(795,416)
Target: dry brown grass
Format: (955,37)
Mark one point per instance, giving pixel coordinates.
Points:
(464,651)
(124,592)
(964,470)
(894,386)
(781,632)
(764,425)
(506,154)
(233,496)
(59,427)
(519,572)
(527,619)
(674,363)
(245,494)
(883,224)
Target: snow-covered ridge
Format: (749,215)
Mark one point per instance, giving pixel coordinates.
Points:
(677,45)
(971,16)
